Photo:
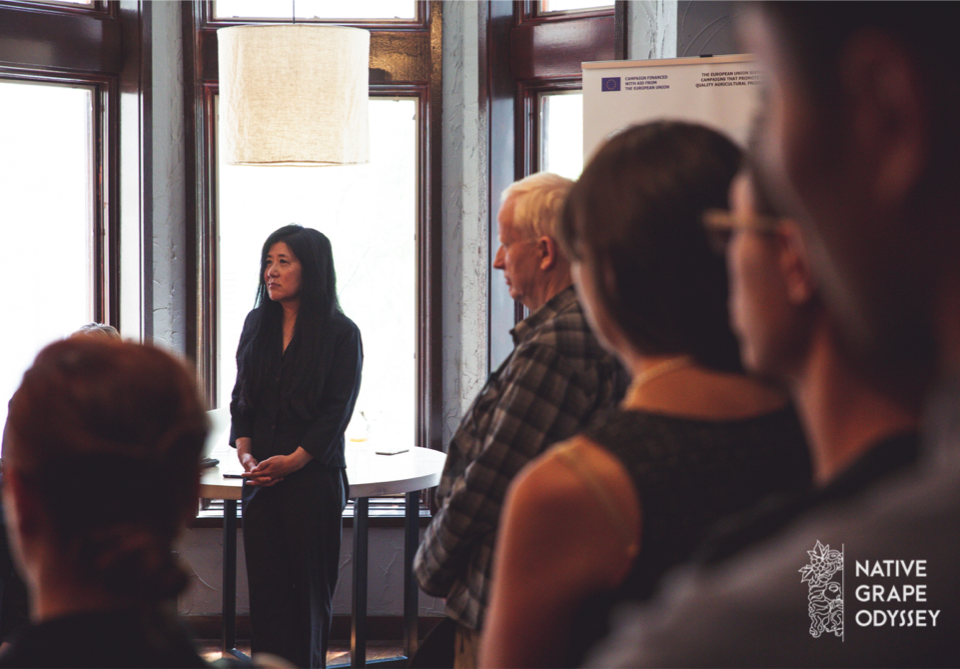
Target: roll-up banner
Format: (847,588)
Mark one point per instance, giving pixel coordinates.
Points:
(718,91)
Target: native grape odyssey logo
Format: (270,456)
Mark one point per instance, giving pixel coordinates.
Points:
(824,578)
(882,595)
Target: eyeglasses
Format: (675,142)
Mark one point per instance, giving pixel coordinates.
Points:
(720,224)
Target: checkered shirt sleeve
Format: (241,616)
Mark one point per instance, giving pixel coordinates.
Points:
(540,397)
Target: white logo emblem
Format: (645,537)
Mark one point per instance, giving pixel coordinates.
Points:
(826,593)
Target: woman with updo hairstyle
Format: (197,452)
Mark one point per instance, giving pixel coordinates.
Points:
(598,519)
(298,375)
(101,472)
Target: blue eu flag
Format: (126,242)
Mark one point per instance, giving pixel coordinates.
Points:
(610,83)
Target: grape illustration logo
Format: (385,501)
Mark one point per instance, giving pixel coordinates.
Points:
(824,578)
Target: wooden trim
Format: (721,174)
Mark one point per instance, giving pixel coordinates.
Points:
(420,22)
(555,49)
(109,204)
(621,40)
(666,62)
(59,41)
(530,13)
(430,240)
(98,8)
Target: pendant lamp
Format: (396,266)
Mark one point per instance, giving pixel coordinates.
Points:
(294,95)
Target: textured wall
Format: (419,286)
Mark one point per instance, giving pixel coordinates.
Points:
(465,246)
(164,232)
(651,29)
(705,28)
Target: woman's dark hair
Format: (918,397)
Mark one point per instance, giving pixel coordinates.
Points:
(109,436)
(635,214)
(318,304)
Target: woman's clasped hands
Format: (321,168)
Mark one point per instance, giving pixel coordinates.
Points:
(272,470)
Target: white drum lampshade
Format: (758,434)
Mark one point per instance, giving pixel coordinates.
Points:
(294,95)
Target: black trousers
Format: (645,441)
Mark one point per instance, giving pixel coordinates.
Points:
(291,540)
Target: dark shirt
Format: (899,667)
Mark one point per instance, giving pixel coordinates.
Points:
(689,474)
(104,639)
(746,603)
(740,531)
(275,428)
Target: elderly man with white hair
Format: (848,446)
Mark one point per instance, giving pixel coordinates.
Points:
(556,380)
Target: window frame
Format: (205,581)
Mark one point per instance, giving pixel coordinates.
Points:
(530,10)
(392,73)
(527,54)
(420,22)
(89,55)
(96,8)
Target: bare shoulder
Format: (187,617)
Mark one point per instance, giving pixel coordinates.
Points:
(566,472)
(585,504)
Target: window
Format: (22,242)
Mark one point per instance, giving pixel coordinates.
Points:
(369,212)
(547,6)
(59,149)
(383,219)
(561,133)
(66,2)
(48,229)
(535,51)
(316,9)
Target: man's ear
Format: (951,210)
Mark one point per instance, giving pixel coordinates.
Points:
(548,252)
(889,124)
(795,264)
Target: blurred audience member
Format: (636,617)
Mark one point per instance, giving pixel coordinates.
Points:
(860,141)
(598,519)
(102,470)
(14,608)
(97,330)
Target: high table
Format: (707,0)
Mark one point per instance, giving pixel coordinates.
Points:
(370,475)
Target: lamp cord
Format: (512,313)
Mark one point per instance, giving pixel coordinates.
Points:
(294,12)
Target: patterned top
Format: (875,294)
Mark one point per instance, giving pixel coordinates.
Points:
(689,474)
(556,381)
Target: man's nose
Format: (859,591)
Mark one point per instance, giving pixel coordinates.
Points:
(498,261)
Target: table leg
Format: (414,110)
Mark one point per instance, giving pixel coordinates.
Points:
(358,637)
(410,586)
(229,613)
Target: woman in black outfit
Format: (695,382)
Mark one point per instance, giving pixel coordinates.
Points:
(298,374)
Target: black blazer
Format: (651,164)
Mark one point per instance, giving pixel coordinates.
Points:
(272,424)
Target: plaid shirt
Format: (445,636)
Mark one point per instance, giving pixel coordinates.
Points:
(556,381)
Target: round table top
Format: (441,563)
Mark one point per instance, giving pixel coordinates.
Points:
(370,474)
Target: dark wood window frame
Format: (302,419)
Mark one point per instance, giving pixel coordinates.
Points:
(75,45)
(405,60)
(525,54)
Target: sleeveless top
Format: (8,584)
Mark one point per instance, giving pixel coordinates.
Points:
(688,474)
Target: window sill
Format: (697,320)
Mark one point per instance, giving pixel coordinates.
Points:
(384,512)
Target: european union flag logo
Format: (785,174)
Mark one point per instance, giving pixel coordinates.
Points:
(610,83)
